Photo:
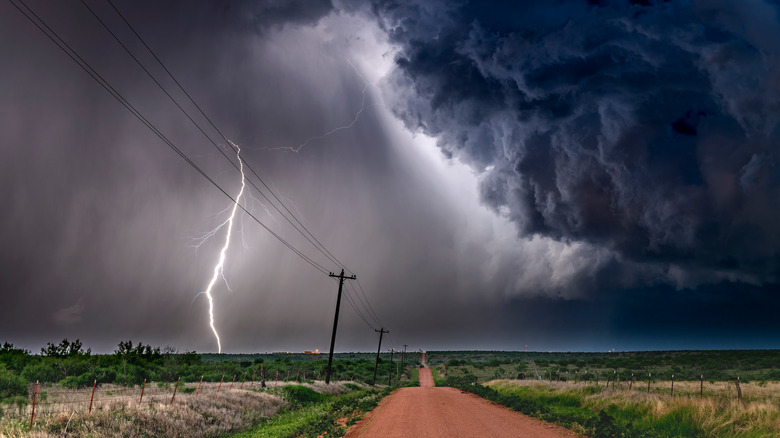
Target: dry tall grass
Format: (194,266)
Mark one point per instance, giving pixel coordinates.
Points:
(718,412)
(116,411)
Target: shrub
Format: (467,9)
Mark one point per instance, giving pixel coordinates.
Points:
(80,381)
(12,384)
(302,395)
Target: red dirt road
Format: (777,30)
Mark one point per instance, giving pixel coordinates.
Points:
(447,412)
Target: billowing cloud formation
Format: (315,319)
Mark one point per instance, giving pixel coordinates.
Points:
(646,128)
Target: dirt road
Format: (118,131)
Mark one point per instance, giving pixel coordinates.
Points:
(447,412)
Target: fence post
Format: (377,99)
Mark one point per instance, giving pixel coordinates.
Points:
(631,385)
(296,376)
(142,392)
(220,383)
(93,396)
(277,378)
(739,393)
(35,397)
(231,383)
(672,393)
(648,382)
(253,379)
(242,379)
(199,384)
(174,390)
(701,389)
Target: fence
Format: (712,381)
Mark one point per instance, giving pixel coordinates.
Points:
(734,389)
(49,399)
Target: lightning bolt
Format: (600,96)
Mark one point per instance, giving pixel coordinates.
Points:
(297,149)
(218,269)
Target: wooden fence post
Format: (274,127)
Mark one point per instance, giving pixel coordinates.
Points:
(174,390)
(199,385)
(631,385)
(672,393)
(296,376)
(35,397)
(220,383)
(231,383)
(701,389)
(93,396)
(739,393)
(648,382)
(276,382)
(142,392)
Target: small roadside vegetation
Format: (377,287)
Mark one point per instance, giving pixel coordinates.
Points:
(310,413)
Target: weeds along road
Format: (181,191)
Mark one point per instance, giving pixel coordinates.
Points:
(447,412)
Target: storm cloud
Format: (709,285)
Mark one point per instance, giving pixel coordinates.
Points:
(646,128)
(497,174)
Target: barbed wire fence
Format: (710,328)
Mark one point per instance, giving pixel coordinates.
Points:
(47,399)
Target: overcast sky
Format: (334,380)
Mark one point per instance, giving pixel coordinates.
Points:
(563,175)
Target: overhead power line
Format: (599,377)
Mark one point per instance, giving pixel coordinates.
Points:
(284,210)
(353,291)
(307,234)
(73,55)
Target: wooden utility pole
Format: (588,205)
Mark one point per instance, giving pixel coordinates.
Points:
(341,278)
(381,332)
(390,374)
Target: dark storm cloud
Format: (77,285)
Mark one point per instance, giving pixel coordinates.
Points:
(614,129)
(272,14)
(648,128)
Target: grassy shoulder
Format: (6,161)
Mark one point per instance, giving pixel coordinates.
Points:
(310,413)
(414,376)
(597,412)
(438,374)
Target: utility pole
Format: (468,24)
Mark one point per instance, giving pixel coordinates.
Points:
(390,374)
(381,332)
(341,278)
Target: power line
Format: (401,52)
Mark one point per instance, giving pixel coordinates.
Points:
(71,53)
(308,235)
(354,291)
(354,307)
(368,302)
(311,238)
(60,42)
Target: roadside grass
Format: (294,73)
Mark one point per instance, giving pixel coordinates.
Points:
(414,376)
(116,411)
(205,416)
(438,372)
(312,414)
(599,412)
